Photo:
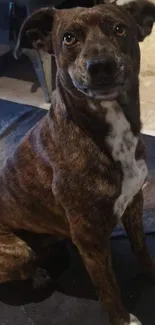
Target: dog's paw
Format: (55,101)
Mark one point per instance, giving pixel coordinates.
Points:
(41,278)
(134,320)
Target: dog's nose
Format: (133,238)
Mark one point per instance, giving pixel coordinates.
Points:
(101,70)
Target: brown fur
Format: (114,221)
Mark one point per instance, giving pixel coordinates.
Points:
(62,180)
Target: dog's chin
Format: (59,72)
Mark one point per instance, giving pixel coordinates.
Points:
(109,95)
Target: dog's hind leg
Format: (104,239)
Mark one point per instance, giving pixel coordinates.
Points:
(133,223)
(16,258)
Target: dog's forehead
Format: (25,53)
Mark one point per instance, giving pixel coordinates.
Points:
(91,16)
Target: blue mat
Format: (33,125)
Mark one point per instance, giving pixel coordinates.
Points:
(15,121)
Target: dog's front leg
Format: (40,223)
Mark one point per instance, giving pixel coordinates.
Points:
(96,255)
(133,224)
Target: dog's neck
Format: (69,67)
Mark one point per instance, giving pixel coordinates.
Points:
(90,113)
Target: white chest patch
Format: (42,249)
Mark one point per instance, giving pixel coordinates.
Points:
(123,146)
(134,320)
(120,2)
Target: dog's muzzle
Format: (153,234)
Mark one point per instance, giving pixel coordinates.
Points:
(100,78)
(101,72)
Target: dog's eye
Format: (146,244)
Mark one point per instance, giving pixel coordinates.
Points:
(120,30)
(69,39)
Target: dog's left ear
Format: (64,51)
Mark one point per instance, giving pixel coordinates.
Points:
(143,12)
(36,32)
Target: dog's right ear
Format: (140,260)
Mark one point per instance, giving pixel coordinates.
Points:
(36,32)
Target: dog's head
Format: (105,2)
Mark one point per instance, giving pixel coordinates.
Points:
(96,49)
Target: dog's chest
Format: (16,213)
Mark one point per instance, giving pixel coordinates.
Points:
(123,145)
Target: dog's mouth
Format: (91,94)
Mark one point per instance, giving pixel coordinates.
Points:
(104,94)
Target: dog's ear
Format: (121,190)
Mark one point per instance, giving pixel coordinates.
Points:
(36,32)
(143,13)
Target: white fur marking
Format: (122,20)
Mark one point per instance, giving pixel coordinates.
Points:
(134,320)
(123,146)
(120,2)
(124,2)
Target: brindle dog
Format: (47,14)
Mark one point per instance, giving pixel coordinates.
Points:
(80,170)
